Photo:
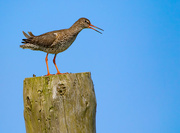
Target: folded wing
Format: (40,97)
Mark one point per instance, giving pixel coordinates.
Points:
(46,39)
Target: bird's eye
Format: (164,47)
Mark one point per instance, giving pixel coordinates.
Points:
(87,21)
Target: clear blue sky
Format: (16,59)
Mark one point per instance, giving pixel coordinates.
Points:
(135,63)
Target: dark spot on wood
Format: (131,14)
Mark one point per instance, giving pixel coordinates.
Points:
(47,80)
(39,91)
(51,109)
(29,105)
(75,82)
(61,88)
(48,119)
(87,103)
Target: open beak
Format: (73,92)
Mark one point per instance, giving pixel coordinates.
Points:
(91,26)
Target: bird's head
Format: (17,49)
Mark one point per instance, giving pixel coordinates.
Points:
(85,23)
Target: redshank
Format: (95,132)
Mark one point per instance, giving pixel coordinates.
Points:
(57,41)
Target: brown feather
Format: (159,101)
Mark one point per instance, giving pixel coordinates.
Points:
(31,34)
(26,35)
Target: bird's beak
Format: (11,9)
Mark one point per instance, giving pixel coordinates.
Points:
(91,26)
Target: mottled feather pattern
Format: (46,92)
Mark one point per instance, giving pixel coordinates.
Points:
(55,41)
(51,42)
(41,40)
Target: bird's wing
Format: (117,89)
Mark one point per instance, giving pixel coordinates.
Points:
(46,39)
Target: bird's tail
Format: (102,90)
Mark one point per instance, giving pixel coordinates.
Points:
(28,36)
(23,46)
(31,34)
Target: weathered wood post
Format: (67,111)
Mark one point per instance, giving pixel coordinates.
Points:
(60,104)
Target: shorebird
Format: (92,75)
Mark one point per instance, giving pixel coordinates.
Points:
(57,41)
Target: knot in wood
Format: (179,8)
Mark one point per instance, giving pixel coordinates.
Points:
(61,88)
(28,103)
(47,80)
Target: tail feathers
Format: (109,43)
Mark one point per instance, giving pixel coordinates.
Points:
(26,35)
(22,46)
(25,46)
(31,34)
(26,40)
(30,46)
(29,37)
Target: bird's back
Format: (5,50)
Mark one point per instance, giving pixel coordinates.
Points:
(50,42)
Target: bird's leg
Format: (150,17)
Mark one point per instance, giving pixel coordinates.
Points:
(54,61)
(46,59)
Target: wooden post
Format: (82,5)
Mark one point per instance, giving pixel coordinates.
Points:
(60,104)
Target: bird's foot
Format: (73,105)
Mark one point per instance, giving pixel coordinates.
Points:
(49,74)
(58,73)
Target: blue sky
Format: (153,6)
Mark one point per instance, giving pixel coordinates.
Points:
(134,63)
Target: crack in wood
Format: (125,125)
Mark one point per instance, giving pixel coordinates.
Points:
(65,115)
(60,104)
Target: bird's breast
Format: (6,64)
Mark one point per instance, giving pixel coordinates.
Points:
(64,43)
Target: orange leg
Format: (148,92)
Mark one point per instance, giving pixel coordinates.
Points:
(54,61)
(46,59)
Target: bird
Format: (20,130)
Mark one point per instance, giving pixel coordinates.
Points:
(57,41)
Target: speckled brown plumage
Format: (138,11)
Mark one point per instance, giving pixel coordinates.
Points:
(57,41)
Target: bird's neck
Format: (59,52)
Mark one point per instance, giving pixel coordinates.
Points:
(75,28)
